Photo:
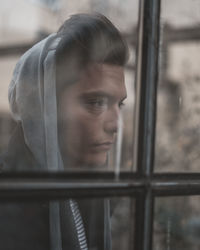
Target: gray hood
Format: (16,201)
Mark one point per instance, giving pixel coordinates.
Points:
(32,98)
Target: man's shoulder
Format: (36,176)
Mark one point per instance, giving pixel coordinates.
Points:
(17,157)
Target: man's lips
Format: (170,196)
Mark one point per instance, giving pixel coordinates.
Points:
(104,146)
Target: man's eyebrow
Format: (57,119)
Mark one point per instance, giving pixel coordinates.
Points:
(99,94)
(96,94)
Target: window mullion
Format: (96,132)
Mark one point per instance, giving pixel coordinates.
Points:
(145,115)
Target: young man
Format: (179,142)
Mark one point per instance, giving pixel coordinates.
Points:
(66,94)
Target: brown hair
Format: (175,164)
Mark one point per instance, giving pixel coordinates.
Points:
(86,39)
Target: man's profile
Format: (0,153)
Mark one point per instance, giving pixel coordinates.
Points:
(65,95)
(89,111)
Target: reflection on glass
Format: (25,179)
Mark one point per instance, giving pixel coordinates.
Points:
(95,224)
(178,108)
(85,114)
(177,223)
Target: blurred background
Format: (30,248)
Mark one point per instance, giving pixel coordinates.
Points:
(178,108)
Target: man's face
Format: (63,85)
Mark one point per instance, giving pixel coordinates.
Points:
(89,111)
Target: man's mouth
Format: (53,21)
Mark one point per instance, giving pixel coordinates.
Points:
(104,146)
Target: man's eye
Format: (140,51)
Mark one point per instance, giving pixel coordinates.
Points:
(99,103)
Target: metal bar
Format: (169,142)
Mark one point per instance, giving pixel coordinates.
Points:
(68,176)
(97,176)
(148,219)
(185,184)
(27,188)
(146,86)
(60,186)
(166,185)
(144,220)
(145,114)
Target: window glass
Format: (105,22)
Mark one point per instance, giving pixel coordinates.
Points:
(178,103)
(22,25)
(177,221)
(95,223)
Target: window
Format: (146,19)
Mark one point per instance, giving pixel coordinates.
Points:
(155,192)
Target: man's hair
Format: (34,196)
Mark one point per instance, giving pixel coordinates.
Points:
(87,39)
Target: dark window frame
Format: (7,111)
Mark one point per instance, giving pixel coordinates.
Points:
(143,185)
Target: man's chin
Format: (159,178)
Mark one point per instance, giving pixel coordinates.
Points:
(96,162)
(95,165)
(91,162)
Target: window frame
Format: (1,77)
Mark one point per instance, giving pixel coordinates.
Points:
(143,185)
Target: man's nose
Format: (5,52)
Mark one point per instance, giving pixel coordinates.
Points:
(111,121)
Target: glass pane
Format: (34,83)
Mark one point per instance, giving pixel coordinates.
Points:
(178,108)
(36,103)
(176,223)
(94,224)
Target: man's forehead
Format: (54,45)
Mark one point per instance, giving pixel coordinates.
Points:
(103,80)
(104,70)
(100,80)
